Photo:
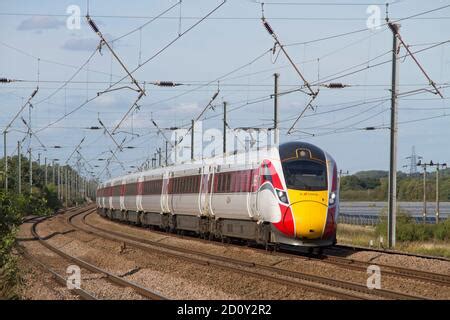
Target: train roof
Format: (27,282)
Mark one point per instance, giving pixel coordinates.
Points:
(301,150)
(286,151)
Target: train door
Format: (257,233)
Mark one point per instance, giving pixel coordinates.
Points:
(110,195)
(170,194)
(122,195)
(165,192)
(211,177)
(139,193)
(203,200)
(253,194)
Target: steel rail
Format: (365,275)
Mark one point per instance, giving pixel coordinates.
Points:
(387,269)
(254,266)
(224,263)
(83,294)
(109,276)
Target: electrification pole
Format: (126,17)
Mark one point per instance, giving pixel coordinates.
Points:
(57,183)
(45,164)
(438,167)
(166,152)
(67,186)
(424,166)
(392,202)
(437,193)
(192,139)
(275,110)
(53,172)
(159,157)
(19,173)
(5,157)
(424,214)
(224,127)
(31,170)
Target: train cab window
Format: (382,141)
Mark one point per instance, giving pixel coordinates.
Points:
(305,175)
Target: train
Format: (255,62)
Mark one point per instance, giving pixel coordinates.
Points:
(284,195)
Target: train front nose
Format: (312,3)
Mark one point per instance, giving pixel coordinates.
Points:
(309,214)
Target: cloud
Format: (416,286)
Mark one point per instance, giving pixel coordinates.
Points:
(84,44)
(185,108)
(40,23)
(81,44)
(108,100)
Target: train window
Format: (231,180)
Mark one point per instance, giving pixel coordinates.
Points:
(234,182)
(219,182)
(305,175)
(228,185)
(242,181)
(215,183)
(131,189)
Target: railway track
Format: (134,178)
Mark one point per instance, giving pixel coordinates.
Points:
(353,248)
(81,263)
(338,288)
(359,265)
(83,294)
(424,276)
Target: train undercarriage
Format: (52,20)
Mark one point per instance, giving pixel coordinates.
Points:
(225,230)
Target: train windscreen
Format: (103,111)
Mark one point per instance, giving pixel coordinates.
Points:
(305,175)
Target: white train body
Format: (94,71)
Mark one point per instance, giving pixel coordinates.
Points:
(237,196)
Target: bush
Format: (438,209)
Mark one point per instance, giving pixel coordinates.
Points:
(408,230)
(442,230)
(10,219)
(12,208)
(51,195)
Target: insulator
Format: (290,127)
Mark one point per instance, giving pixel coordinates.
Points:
(34,92)
(268,28)
(336,85)
(166,84)
(92,24)
(215,95)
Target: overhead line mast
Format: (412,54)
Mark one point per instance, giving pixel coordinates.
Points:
(313,94)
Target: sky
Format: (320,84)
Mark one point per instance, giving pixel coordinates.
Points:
(230,52)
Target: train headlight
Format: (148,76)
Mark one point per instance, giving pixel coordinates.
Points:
(282,196)
(332,198)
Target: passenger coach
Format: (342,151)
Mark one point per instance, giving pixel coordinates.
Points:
(287,195)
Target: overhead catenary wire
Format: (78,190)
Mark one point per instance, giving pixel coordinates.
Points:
(103,41)
(76,148)
(21,109)
(133,106)
(32,133)
(419,89)
(134,70)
